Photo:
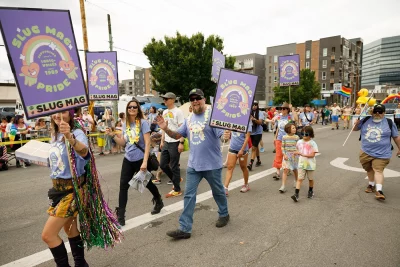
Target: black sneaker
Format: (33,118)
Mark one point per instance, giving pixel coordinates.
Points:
(178,234)
(250,166)
(158,205)
(222,221)
(258,163)
(295,197)
(310,194)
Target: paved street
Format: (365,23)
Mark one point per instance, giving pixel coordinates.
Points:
(341,226)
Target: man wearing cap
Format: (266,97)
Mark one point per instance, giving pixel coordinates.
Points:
(306,118)
(205,161)
(256,118)
(376,146)
(171,148)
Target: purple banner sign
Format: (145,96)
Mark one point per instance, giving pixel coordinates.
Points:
(42,52)
(289,70)
(217,65)
(102,74)
(233,100)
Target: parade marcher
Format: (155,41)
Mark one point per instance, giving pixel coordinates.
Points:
(238,151)
(256,119)
(205,161)
(72,166)
(306,118)
(171,148)
(136,140)
(346,113)
(376,134)
(335,109)
(306,149)
(290,159)
(88,121)
(397,115)
(280,120)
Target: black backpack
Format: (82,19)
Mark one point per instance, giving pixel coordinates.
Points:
(390,122)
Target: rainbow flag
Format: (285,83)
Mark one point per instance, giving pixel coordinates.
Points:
(345,91)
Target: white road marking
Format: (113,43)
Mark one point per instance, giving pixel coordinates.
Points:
(45,255)
(340,163)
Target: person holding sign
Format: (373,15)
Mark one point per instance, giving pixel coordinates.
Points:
(136,140)
(205,161)
(238,150)
(256,118)
(63,210)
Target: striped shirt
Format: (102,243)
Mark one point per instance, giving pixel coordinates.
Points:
(289,144)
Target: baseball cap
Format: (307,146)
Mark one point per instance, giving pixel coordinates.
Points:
(169,95)
(379,108)
(196,91)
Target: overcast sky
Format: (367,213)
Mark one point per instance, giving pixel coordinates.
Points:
(246,26)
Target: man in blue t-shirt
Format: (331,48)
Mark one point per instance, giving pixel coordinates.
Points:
(376,147)
(205,160)
(256,117)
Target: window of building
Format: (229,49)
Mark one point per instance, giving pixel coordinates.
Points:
(324,63)
(324,75)
(275,69)
(323,86)
(275,79)
(275,59)
(269,79)
(325,52)
(333,50)
(307,65)
(130,83)
(308,54)
(269,69)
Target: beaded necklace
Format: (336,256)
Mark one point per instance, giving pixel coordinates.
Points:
(137,131)
(202,125)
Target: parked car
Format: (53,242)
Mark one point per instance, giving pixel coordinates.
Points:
(390,107)
(7,112)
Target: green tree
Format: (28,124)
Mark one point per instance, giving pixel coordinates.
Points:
(308,90)
(182,63)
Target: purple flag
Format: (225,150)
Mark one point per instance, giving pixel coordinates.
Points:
(42,52)
(218,64)
(233,100)
(102,74)
(289,70)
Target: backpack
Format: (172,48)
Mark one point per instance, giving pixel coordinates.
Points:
(390,122)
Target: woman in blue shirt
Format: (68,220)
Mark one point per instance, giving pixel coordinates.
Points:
(63,209)
(136,133)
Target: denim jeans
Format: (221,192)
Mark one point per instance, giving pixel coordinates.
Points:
(193,178)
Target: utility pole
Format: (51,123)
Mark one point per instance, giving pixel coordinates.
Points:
(86,48)
(110,40)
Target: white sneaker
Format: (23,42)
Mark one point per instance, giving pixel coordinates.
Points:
(245,188)
(282,189)
(170,182)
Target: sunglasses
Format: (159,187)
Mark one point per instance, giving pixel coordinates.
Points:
(198,98)
(132,107)
(306,134)
(377,112)
(166,99)
(255,104)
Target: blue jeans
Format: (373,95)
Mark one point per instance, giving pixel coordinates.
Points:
(193,178)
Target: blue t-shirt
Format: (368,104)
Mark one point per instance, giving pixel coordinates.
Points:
(375,138)
(237,139)
(205,151)
(259,129)
(58,157)
(132,152)
(281,121)
(306,118)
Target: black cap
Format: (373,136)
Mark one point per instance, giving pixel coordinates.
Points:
(196,91)
(379,107)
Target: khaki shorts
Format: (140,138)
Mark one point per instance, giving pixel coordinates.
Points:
(370,163)
(303,173)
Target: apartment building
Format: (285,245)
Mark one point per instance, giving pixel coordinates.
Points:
(334,59)
(253,64)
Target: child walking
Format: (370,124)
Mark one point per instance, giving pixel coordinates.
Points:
(306,149)
(290,158)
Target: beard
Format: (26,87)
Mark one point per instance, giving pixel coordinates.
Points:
(199,109)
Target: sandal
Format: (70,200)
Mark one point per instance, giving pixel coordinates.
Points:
(276,176)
